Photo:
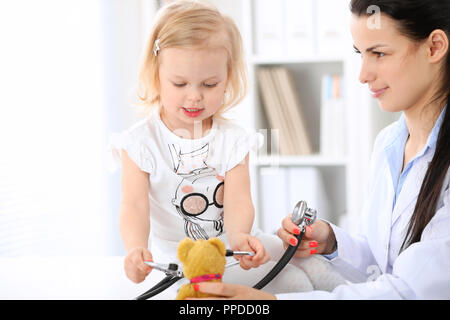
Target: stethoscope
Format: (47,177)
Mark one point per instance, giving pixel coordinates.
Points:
(302,216)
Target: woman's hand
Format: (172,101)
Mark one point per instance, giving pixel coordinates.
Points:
(228,291)
(318,238)
(246,242)
(135,268)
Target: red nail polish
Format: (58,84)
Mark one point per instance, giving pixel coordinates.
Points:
(296,231)
(293,241)
(313,244)
(196,287)
(313,251)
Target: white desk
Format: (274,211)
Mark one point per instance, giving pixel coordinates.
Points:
(71,278)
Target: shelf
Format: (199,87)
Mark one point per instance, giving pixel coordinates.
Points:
(261,60)
(312,160)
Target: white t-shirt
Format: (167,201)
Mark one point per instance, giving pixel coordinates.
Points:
(186,197)
(187,177)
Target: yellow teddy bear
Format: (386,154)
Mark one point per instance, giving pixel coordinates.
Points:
(203,260)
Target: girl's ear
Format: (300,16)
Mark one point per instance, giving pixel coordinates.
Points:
(183,249)
(437,45)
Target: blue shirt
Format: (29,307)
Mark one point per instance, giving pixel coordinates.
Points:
(395,152)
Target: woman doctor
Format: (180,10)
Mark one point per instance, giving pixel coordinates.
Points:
(403,248)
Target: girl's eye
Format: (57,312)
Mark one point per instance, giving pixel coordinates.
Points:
(212,85)
(179,85)
(379,54)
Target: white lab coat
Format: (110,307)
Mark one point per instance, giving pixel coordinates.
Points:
(371,260)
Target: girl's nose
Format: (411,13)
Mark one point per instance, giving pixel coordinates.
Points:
(194,95)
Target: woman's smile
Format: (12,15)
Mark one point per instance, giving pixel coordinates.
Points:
(376,93)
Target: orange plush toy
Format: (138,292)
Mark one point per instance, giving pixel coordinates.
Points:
(203,260)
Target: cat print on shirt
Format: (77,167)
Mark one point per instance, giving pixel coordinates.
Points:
(199,196)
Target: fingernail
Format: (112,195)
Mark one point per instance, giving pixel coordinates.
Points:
(296,231)
(293,241)
(313,244)
(313,251)
(196,287)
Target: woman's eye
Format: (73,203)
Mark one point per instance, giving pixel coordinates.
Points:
(210,85)
(179,85)
(379,54)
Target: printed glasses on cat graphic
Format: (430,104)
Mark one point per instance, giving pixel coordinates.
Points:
(195,204)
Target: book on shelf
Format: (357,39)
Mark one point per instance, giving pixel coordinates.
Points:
(300,28)
(284,26)
(332,117)
(283,187)
(273,198)
(308,184)
(283,110)
(269,35)
(332,21)
(271,105)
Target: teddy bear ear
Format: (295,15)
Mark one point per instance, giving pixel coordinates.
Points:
(219,244)
(183,248)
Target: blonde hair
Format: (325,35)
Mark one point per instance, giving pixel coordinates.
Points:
(191,24)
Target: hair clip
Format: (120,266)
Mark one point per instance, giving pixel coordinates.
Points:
(157,48)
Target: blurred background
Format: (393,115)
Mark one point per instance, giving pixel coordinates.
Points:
(68,72)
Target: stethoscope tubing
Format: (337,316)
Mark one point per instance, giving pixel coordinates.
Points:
(159,287)
(287,256)
(171,279)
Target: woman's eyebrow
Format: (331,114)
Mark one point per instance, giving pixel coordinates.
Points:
(372,48)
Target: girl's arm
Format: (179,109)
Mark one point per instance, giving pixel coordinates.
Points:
(134,216)
(134,219)
(239,214)
(238,205)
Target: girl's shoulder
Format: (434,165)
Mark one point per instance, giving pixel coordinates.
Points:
(143,128)
(232,127)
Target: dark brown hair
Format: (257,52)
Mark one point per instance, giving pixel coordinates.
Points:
(416,20)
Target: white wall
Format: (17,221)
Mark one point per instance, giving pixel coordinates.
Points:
(126,25)
(68,70)
(51,128)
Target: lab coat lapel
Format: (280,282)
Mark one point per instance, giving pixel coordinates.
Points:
(384,220)
(411,187)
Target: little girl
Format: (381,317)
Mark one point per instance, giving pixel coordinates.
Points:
(185,168)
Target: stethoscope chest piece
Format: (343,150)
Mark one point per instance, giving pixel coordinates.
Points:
(302,215)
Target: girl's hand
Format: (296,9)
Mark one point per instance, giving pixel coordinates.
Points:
(135,268)
(228,291)
(246,242)
(318,238)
